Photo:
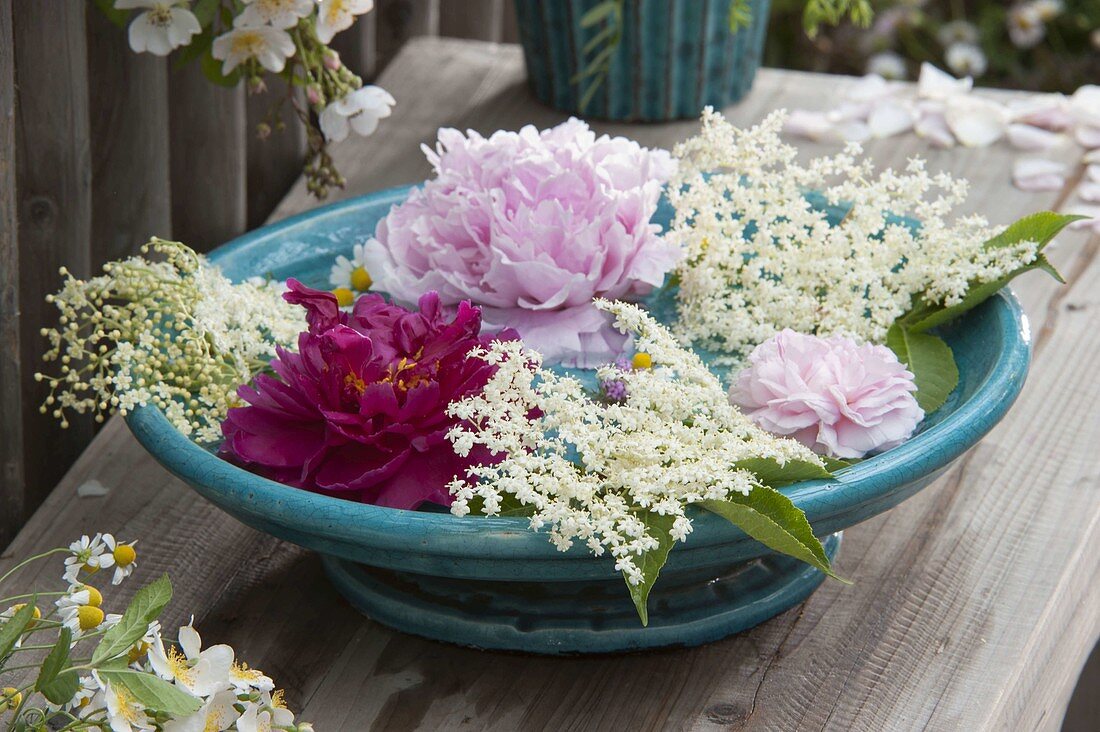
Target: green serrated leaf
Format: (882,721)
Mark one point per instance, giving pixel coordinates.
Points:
(153,693)
(55,659)
(12,629)
(835,465)
(113,14)
(771,473)
(62,688)
(931,361)
(606,9)
(143,609)
(650,563)
(772,519)
(1038,227)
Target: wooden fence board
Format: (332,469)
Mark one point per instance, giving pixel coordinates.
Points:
(481,20)
(358,46)
(55,207)
(128,102)
(274,163)
(11,379)
(207,152)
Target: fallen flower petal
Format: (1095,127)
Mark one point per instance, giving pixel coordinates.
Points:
(936,84)
(1028,137)
(890,118)
(976,122)
(1036,174)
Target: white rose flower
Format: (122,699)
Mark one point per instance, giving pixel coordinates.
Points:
(162,27)
(334,16)
(201,672)
(276,13)
(360,111)
(271,47)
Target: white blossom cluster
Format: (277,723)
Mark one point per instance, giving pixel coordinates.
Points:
(590,469)
(759,257)
(174,332)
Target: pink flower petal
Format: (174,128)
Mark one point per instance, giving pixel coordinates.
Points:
(1036,174)
(1027,137)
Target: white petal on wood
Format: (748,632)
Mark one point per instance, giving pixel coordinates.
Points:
(976,122)
(812,125)
(91,489)
(1084,105)
(853,131)
(1091,211)
(1092,172)
(868,88)
(1037,174)
(1089,191)
(890,118)
(1048,111)
(1087,136)
(846,111)
(936,84)
(933,127)
(1028,137)
(1092,156)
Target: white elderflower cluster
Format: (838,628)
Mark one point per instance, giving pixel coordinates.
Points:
(591,470)
(174,332)
(760,257)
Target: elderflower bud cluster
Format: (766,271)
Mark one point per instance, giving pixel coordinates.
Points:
(590,468)
(761,257)
(174,333)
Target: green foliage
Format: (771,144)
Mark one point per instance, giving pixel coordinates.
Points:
(14,627)
(55,660)
(769,472)
(931,361)
(651,562)
(772,519)
(151,691)
(113,14)
(832,12)
(143,609)
(927,355)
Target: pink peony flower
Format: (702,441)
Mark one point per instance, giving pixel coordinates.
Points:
(532,226)
(834,396)
(360,410)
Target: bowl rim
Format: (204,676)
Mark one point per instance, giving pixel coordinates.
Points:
(306,513)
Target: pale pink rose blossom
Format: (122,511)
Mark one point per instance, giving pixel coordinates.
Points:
(831,394)
(531,226)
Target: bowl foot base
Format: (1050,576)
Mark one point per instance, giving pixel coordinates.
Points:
(578,617)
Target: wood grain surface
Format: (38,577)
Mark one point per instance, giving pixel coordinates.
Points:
(974,606)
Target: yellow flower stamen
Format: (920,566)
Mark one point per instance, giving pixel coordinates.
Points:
(36,614)
(361,279)
(177,663)
(244,673)
(642,360)
(11,698)
(95,599)
(355,383)
(278,699)
(344,296)
(90,617)
(124,555)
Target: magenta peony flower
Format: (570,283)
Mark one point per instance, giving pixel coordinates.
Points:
(834,396)
(360,410)
(531,226)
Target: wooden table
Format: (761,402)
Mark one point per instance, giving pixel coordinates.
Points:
(974,606)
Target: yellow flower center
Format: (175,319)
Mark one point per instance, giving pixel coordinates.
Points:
(278,699)
(35,614)
(124,555)
(177,663)
(161,16)
(137,652)
(11,698)
(642,360)
(353,382)
(242,672)
(89,617)
(95,599)
(344,296)
(248,43)
(360,279)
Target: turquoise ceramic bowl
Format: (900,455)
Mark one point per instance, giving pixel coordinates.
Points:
(494,583)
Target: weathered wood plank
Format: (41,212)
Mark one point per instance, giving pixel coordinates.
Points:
(208,159)
(12,485)
(399,20)
(128,102)
(275,162)
(55,208)
(481,20)
(358,46)
(973,606)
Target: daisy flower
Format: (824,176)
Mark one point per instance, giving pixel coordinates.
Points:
(122,557)
(349,275)
(85,554)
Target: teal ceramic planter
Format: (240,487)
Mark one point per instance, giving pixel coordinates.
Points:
(674,57)
(494,583)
